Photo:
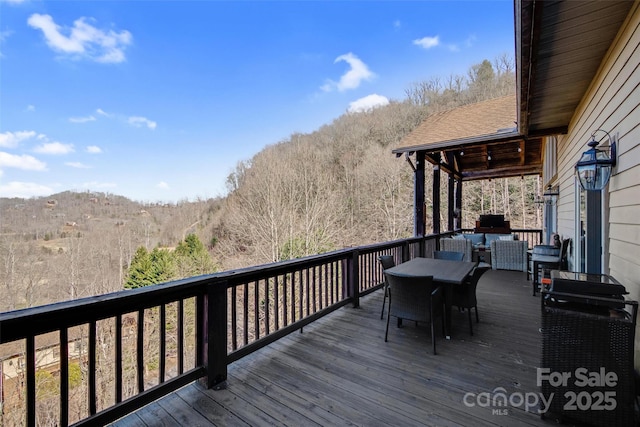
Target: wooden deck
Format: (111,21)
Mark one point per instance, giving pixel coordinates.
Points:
(339,371)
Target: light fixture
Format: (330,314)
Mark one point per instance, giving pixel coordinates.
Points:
(462,152)
(549,197)
(551,191)
(594,167)
(489,155)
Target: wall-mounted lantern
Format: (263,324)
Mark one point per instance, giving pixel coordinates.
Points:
(594,167)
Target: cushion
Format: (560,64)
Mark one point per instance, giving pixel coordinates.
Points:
(458,236)
(489,237)
(476,238)
(509,237)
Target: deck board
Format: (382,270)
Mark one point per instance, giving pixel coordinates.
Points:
(340,371)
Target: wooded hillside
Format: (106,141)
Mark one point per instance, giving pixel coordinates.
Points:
(338,186)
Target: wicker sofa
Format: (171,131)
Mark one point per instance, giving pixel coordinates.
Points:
(509,255)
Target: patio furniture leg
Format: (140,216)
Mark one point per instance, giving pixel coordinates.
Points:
(536,267)
(433,330)
(386,332)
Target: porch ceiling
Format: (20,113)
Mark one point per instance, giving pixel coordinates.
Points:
(559,48)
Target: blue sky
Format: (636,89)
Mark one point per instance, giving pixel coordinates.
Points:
(159,100)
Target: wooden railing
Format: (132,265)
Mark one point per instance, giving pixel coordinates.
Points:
(534,237)
(136,346)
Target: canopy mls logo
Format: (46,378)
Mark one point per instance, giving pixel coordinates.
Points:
(499,401)
(600,399)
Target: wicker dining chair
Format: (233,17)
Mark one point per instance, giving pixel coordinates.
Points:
(415,298)
(549,258)
(387,261)
(464,296)
(449,255)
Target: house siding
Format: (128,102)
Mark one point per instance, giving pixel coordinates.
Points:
(612,103)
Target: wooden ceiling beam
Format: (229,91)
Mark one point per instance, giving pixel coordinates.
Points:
(502,172)
(435,160)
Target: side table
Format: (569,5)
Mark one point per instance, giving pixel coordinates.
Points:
(482,254)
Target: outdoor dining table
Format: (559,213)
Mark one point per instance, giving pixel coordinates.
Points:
(444,272)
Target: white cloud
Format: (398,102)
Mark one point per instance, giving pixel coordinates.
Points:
(54,148)
(24,190)
(83,39)
(24,162)
(136,121)
(141,121)
(357,73)
(77,165)
(397,24)
(82,119)
(103,113)
(30,108)
(470,41)
(367,103)
(427,42)
(3,36)
(12,139)
(94,149)
(14,1)
(163,185)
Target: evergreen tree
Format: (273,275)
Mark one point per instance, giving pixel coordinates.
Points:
(163,265)
(192,258)
(149,268)
(139,270)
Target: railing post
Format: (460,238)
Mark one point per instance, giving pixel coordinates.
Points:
(405,251)
(353,274)
(214,340)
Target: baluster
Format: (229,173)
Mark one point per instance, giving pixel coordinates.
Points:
(180,332)
(267,305)
(256,305)
(92,367)
(64,377)
(31,381)
(140,351)
(285,302)
(118,361)
(163,343)
(245,317)
(234,321)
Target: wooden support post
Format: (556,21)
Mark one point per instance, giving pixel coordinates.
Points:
(436,200)
(458,207)
(418,196)
(450,203)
